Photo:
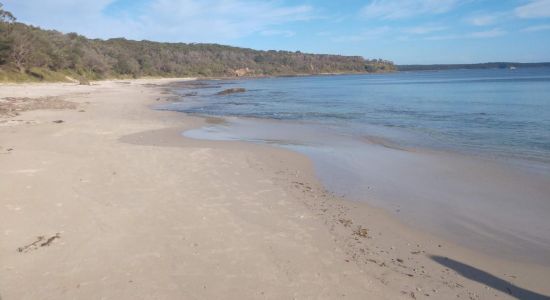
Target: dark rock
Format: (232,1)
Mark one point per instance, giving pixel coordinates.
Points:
(231,91)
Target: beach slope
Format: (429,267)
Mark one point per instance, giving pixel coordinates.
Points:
(88,215)
(101,197)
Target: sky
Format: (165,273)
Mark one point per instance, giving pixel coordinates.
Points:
(404,31)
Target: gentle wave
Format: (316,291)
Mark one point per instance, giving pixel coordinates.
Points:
(494,112)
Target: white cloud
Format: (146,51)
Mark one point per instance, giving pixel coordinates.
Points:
(534,9)
(274,32)
(163,20)
(82,16)
(444,37)
(482,20)
(398,9)
(537,28)
(364,35)
(324,33)
(496,32)
(215,20)
(424,29)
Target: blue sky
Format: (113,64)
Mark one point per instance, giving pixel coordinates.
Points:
(405,31)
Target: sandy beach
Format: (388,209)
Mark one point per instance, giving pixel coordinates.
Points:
(101,197)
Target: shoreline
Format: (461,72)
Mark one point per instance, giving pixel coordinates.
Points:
(359,209)
(72,81)
(466,199)
(508,160)
(266,203)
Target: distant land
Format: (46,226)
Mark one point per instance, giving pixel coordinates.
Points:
(489,65)
(29,53)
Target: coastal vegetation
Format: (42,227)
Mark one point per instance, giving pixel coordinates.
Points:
(29,53)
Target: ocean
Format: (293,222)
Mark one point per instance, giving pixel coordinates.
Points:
(495,112)
(460,153)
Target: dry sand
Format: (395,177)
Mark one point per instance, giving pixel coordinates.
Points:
(102,198)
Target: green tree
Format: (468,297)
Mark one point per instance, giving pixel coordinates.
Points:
(6,21)
(48,54)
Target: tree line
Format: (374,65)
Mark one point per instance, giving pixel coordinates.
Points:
(28,52)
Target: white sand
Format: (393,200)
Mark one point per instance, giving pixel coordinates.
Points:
(143,213)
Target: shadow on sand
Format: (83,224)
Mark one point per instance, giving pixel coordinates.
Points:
(488,279)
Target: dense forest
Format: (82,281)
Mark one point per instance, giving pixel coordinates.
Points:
(491,65)
(31,53)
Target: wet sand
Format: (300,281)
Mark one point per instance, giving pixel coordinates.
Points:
(489,205)
(109,201)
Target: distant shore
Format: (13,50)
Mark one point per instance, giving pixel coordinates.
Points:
(489,65)
(102,197)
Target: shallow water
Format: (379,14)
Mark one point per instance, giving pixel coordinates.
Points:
(492,112)
(462,154)
(483,204)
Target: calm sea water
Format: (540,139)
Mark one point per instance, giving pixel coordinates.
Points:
(480,172)
(496,112)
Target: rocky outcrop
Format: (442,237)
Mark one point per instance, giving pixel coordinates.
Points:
(242,72)
(231,91)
